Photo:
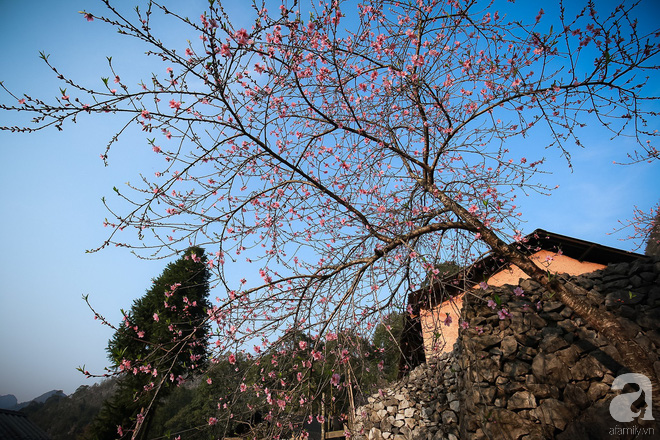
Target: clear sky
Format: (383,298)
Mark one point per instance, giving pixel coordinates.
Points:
(52,183)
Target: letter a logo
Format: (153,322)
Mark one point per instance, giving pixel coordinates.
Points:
(620,406)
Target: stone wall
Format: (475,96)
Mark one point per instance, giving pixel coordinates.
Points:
(540,373)
(423,405)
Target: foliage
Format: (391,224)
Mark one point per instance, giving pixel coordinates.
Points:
(653,241)
(65,418)
(329,154)
(161,340)
(386,338)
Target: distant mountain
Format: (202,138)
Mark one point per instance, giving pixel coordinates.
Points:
(48,395)
(9,401)
(69,417)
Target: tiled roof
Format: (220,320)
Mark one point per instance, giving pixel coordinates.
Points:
(580,250)
(15,425)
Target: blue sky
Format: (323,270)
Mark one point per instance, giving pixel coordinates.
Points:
(53,183)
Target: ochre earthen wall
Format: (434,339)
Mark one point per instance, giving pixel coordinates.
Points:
(441,337)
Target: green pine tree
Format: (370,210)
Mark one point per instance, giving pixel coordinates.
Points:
(653,243)
(161,340)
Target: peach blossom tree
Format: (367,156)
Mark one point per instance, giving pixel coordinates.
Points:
(330,154)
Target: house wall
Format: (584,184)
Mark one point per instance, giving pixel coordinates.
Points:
(541,374)
(440,338)
(545,260)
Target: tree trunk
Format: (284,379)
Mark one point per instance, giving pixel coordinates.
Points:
(634,357)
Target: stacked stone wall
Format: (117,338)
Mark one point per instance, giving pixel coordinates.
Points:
(541,373)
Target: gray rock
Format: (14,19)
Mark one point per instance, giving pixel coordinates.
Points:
(567,325)
(449,417)
(597,390)
(522,400)
(375,434)
(547,368)
(587,368)
(535,321)
(543,390)
(484,341)
(552,343)
(528,285)
(623,297)
(576,396)
(569,356)
(507,424)
(515,368)
(509,346)
(552,306)
(553,412)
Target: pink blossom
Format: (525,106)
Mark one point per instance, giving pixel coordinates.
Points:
(209,381)
(88,16)
(492,304)
(447,320)
(241,37)
(464,324)
(541,12)
(117,78)
(156,318)
(156,149)
(175,104)
(232,359)
(518,291)
(224,50)
(140,334)
(503,314)
(335,379)
(113,91)
(418,60)
(212,421)
(145,114)
(473,209)
(21,101)
(483,285)
(169,70)
(302,345)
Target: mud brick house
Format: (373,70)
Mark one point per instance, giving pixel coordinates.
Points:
(553,252)
(539,373)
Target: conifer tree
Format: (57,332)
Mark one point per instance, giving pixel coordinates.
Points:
(158,344)
(653,242)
